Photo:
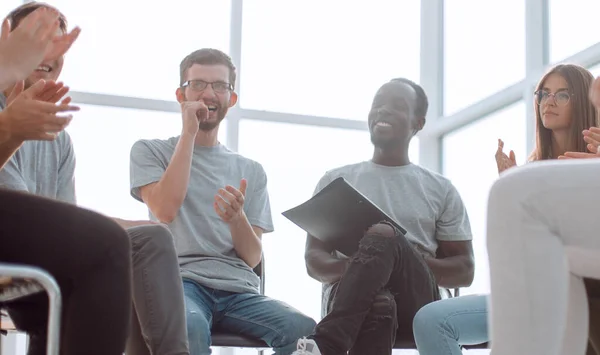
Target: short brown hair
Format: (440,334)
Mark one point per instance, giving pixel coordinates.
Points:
(583,113)
(17,15)
(207,56)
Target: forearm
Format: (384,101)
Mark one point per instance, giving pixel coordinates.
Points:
(246,243)
(168,194)
(452,272)
(324,267)
(6,78)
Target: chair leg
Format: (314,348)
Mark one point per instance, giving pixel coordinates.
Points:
(54,297)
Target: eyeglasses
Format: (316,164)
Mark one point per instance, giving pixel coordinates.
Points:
(561,98)
(199,85)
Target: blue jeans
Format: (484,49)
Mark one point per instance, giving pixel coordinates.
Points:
(441,327)
(254,315)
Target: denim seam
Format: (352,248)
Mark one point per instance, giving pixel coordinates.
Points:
(281,335)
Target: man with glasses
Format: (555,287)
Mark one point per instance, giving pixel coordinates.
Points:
(216,204)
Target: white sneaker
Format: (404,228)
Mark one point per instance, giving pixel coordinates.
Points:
(307,347)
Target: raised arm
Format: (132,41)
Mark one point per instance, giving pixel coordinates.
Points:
(165,196)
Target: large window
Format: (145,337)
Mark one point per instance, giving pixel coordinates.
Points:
(595,70)
(484,49)
(133,48)
(295,158)
(572,27)
(102,138)
(7,6)
(325,58)
(469,162)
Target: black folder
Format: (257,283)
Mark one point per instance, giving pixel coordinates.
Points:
(338,215)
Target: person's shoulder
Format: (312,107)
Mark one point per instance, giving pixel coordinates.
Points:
(156,144)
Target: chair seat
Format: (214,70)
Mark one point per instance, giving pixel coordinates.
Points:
(478,346)
(221,339)
(409,344)
(17,289)
(404,344)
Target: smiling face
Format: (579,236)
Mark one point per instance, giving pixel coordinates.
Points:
(392,120)
(554,100)
(209,84)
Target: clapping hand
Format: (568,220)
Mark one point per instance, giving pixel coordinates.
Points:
(502,160)
(592,138)
(26,118)
(229,202)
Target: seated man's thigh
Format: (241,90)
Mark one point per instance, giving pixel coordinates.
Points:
(199,317)
(261,317)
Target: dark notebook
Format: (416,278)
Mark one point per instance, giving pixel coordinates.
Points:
(338,215)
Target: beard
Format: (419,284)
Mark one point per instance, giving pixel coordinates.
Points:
(210,125)
(386,143)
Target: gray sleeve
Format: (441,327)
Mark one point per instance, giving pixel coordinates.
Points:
(258,207)
(145,168)
(453,224)
(11,177)
(324,181)
(66,172)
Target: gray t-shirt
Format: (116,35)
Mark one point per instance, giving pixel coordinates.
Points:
(425,203)
(203,241)
(42,168)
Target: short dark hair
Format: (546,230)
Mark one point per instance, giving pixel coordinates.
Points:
(207,56)
(422,101)
(17,15)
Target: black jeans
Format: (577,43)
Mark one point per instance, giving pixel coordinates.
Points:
(88,255)
(386,283)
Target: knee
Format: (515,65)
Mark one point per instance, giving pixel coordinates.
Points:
(297,326)
(429,318)
(378,242)
(383,307)
(383,229)
(155,238)
(109,232)
(515,185)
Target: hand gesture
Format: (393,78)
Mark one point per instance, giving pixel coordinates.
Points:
(193,112)
(592,138)
(31,43)
(28,119)
(52,92)
(229,202)
(502,160)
